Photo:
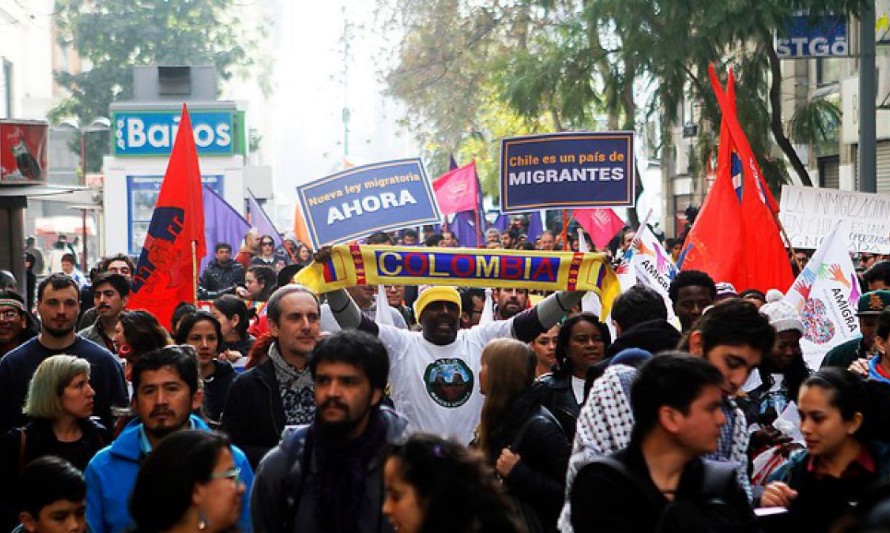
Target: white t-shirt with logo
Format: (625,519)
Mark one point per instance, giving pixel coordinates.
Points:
(436,388)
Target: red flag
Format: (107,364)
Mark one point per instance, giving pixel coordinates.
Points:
(736,237)
(167,270)
(601,223)
(457,190)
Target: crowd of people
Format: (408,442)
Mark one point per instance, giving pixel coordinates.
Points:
(266,407)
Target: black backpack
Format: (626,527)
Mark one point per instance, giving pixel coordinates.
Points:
(706,513)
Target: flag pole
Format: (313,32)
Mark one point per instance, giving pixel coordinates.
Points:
(787,241)
(195,272)
(478,229)
(565,230)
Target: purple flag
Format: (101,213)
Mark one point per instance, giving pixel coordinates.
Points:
(535,226)
(261,221)
(464,228)
(502,222)
(221,224)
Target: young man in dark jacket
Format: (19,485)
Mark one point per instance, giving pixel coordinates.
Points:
(222,274)
(328,476)
(660,480)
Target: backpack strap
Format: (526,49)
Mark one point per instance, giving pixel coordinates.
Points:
(23,445)
(299,450)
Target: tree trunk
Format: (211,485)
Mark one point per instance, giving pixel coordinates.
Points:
(775,100)
(630,113)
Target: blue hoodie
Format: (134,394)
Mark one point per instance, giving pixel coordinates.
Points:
(111,476)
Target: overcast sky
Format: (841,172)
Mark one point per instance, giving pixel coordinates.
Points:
(305,130)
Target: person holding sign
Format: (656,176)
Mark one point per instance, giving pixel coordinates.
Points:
(433,372)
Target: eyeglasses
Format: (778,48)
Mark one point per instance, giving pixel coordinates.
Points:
(9,314)
(233,474)
(267,243)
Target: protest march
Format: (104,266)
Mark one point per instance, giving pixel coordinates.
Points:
(408,358)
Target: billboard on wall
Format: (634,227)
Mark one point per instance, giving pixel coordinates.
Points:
(23,151)
(803,36)
(142,195)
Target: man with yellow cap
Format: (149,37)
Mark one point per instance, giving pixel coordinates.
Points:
(433,372)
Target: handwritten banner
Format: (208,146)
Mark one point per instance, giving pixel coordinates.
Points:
(463,267)
(808,214)
(567,170)
(361,200)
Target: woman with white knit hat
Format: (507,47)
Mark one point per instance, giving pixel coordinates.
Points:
(777,379)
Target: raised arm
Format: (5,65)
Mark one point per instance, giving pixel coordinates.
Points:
(347,313)
(532,322)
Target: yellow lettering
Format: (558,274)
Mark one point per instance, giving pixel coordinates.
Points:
(488,267)
(381,264)
(528,268)
(432,259)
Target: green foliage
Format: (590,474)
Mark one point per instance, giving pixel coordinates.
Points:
(111,36)
(815,121)
(583,63)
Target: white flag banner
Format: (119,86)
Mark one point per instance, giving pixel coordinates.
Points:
(383,314)
(826,294)
(647,262)
(590,302)
(487,316)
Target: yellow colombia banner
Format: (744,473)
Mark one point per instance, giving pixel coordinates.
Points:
(352,265)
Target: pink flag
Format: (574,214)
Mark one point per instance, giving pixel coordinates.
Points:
(601,223)
(457,190)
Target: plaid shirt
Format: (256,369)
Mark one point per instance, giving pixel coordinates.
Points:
(606,422)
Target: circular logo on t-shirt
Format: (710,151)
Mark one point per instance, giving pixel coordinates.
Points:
(449,382)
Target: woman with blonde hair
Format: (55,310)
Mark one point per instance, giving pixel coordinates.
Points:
(518,436)
(59,404)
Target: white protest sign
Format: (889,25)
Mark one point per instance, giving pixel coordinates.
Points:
(809,213)
(826,294)
(647,262)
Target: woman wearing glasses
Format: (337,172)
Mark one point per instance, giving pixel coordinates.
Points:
(266,255)
(188,483)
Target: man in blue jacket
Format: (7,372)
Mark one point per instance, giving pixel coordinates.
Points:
(165,388)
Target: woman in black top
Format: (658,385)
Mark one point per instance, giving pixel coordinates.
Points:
(519,437)
(581,343)
(231,312)
(202,331)
(59,403)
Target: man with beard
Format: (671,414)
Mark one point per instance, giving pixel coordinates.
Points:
(16,324)
(58,304)
(111,292)
(433,371)
(165,392)
(511,302)
(115,264)
(328,476)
